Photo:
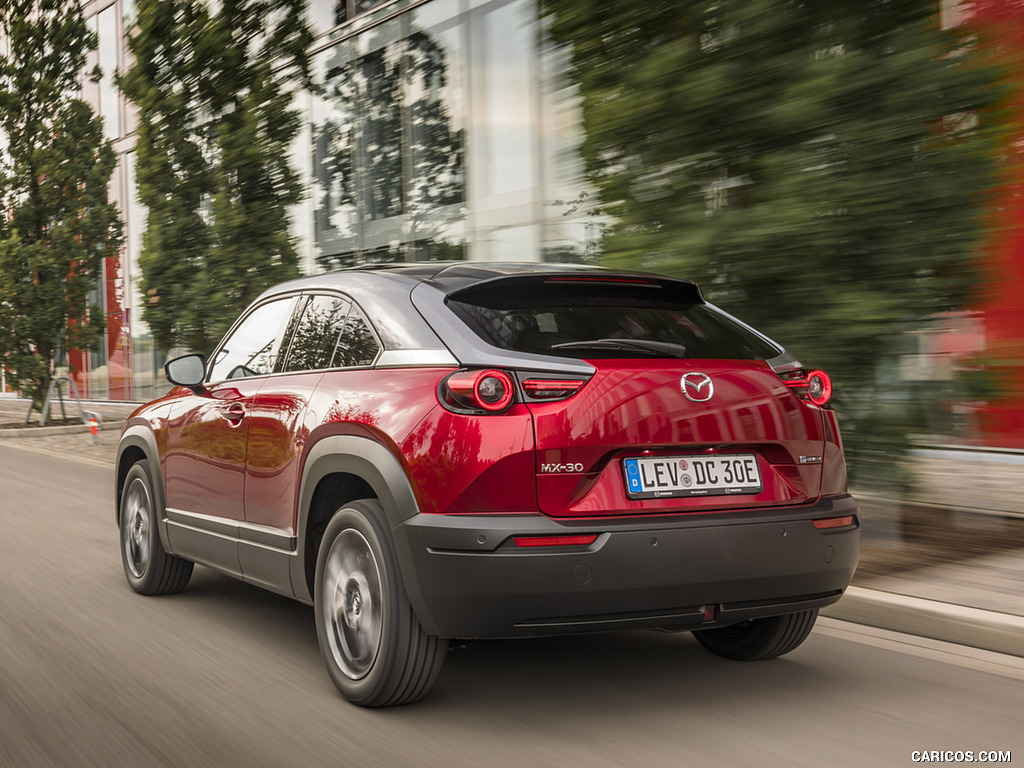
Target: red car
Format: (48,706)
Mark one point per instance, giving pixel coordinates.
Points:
(448,451)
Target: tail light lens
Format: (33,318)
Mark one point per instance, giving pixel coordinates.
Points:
(819,387)
(815,387)
(551,389)
(489,391)
(493,390)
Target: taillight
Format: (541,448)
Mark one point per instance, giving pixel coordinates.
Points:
(551,389)
(493,390)
(489,391)
(815,386)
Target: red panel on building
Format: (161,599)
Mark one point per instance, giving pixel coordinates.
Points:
(119,369)
(1002,422)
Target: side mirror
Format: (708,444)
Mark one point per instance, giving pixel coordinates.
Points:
(187,371)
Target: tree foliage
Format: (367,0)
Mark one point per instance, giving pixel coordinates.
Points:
(214,85)
(817,165)
(58,225)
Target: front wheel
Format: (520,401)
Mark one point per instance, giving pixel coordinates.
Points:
(375,650)
(758,639)
(150,570)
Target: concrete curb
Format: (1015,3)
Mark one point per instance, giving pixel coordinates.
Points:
(63,429)
(993,631)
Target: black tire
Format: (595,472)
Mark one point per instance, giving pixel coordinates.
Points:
(375,650)
(758,639)
(150,570)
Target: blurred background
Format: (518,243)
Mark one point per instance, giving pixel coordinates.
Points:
(845,176)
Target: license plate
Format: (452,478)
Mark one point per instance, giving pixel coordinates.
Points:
(664,476)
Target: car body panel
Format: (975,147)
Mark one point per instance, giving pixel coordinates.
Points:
(205,454)
(473,464)
(280,420)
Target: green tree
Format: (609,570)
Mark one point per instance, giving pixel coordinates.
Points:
(214,85)
(56,164)
(817,166)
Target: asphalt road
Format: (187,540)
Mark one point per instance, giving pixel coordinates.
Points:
(227,675)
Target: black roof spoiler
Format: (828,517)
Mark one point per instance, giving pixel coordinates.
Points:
(554,288)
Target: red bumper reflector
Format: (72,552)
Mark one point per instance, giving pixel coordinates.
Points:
(556,541)
(833,522)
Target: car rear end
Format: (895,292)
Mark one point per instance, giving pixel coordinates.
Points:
(642,459)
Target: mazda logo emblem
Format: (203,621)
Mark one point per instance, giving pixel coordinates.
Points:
(697,387)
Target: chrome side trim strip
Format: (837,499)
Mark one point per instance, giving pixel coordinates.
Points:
(406,358)
(234,529)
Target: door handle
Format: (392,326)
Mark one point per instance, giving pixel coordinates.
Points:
(234,413)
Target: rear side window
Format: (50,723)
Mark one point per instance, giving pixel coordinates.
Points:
(331,333)
(605,321)
(357,345)
(316,333)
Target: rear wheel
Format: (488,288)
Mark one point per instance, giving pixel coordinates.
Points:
(375,650)
(150,570)
(758,639)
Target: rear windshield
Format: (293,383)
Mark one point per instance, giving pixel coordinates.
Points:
(605,323)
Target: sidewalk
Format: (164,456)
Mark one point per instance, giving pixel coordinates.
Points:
(948,562)
(941,565)
(71,440)
(978,602)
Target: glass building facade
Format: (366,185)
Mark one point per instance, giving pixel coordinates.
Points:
(438,130)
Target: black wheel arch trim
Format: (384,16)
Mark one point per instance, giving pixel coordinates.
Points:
(375,464)
(141,437)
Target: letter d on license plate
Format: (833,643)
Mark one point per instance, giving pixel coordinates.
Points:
(666,476)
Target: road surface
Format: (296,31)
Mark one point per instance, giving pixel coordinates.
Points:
(224,674)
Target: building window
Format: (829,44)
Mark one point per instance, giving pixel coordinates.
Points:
(388,145)
(109,43)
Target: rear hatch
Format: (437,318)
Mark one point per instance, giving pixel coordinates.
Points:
(630,442)
(682,410)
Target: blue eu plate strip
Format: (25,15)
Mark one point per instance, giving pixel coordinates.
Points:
(633,476)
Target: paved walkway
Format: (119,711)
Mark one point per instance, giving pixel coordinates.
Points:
(990,583)
(968,510)
(73,441)
(970,479)
(977,602)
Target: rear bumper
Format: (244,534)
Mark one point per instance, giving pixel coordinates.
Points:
(466,577)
